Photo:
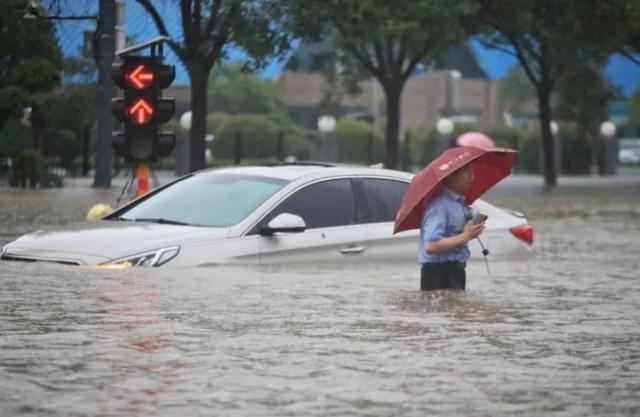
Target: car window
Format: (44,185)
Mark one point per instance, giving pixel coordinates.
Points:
(382,199)
(216,200)
(323,204)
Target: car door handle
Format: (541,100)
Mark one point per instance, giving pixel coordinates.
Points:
(353,250)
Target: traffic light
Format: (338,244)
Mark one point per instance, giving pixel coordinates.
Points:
(142,109)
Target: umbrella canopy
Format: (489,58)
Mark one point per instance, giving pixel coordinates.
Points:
(490,165)
(477,139)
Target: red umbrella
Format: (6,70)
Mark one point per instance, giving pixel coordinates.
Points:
(490,165)
(477,139)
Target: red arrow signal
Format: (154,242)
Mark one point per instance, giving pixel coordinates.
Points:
(141,112)
(139,78)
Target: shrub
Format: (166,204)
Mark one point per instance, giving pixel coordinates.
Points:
(259,137)
(506,137)
(30,169)
(422,146)
(576,150)
(352,136)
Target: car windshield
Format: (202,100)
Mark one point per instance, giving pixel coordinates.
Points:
(216,200)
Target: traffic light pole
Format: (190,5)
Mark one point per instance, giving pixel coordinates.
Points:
(143,109)
(104,154)
(142,179)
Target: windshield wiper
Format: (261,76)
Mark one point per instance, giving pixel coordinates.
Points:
(120,219)
(160,220)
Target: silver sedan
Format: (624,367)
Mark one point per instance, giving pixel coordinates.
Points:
(260,215)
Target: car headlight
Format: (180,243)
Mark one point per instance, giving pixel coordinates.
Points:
(153,258)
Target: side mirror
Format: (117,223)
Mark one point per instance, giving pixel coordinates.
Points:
(284,223)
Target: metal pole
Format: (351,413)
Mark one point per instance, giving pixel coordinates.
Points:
(406,158)
(237,149)
(142,175)
(106,41)
(86,137)
(370,149)
(280,147)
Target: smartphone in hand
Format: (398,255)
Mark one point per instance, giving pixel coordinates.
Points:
(479,218)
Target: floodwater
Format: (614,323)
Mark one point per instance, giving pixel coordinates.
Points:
(558,335)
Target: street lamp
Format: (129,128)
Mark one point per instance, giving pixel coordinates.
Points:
(182,144)
(185,120)
(326,149)
(608,129)
(444,127)
(607,149)
(557,145)
(326,124)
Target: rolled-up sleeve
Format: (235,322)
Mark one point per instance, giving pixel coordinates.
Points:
(433,223)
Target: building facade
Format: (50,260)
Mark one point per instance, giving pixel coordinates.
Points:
(426,98)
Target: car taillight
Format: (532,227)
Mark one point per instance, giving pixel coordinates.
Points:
(523,232)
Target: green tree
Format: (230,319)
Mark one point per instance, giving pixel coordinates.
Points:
(516,89)
(69,118)
(388,39)
(585,107)
(546,37)
(30,61)
(30,67)
(234,90)
(207,27)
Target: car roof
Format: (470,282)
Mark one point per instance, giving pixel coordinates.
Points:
(292,172)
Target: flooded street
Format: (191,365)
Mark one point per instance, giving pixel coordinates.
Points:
(556,335)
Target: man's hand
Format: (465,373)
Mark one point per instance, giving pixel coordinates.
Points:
(472,231)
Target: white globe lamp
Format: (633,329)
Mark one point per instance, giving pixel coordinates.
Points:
(185,120)
(608,129)
(444,126)
(326,124)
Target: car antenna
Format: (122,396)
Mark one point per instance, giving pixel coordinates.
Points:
(485,252)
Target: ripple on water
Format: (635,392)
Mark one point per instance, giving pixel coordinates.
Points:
(555,335)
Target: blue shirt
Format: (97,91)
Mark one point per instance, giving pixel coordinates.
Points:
(445,216)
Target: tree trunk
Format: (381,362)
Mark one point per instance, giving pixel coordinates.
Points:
(393,93)
(199,81)
(548,146)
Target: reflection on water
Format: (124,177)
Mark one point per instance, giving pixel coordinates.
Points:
(558,335)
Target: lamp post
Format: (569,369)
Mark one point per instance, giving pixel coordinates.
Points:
(444,127)
(182,145)
(326,149)
(557,146)
(607,149)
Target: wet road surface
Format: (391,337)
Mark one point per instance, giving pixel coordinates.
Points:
(557,335)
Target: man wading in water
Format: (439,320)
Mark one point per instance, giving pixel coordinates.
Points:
(444,232)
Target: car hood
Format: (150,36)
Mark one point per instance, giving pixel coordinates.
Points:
(95,242)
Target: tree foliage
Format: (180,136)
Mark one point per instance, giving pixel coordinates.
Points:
(388,39)
(207,28)
(234,90)
(30,61)
(587,106)
(634,107)
(516,89)
(548,38)
(68,119)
